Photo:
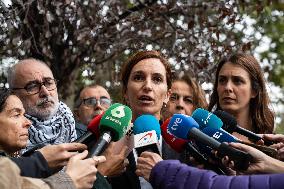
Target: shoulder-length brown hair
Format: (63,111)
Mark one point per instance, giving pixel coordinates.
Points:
(199,99)
(137,57)
(262,116)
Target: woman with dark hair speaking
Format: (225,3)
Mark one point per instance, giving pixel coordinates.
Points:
(146,79)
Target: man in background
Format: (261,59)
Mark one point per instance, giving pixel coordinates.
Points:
(91,101)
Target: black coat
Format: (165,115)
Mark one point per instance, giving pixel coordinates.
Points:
(34,165)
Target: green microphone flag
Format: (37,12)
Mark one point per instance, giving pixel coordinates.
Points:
(117,120)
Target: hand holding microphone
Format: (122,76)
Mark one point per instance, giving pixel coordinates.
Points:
(261,162)
(179,145)
(116,163)
(145,164)
(223,136)
(278,140)
(185,127)
(230,125)
(83,171)
(214,128)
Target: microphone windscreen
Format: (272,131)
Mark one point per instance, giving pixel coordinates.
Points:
(180,125)
(116,119)
(230,123)
(219,134)
(93,126)
(176,144)
(145,123)
(206,119)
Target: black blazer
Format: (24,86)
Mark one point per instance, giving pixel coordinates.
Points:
(129,180)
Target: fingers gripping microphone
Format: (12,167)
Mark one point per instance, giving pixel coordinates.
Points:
(185,127)
(113,125)
(223,136)
(230,124)
(147,132)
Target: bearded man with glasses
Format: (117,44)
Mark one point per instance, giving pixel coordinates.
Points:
(52,121)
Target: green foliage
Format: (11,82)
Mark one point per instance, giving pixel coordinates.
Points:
(95,37)
(270,23)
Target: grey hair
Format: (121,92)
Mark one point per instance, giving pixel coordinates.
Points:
(12,70)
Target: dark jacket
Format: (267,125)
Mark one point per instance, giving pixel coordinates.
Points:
(101,182)
(170,174)
(128,179)
(34,165)
(80,129)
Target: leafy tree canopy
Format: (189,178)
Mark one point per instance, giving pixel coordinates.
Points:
(89,40)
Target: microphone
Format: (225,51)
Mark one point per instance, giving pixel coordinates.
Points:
(205,118)
(147,132)
(230,124)
(223,136)
(186,127)
(220,135)
(90,137)
(179,145)
(113,125)
(175,143)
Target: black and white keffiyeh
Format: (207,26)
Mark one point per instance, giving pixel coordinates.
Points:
(58,129)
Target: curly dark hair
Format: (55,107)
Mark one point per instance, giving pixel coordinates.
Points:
(4,94)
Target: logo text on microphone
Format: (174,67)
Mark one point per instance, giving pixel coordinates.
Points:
(175,124)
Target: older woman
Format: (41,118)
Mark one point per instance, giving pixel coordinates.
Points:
(185,96)
(14,136)
(13,124)
(239,89)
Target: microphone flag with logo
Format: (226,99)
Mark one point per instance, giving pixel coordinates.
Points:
(113,125)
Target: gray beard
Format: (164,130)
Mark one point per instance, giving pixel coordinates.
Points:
(43,114)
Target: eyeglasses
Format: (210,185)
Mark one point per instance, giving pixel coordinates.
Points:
(34,87)
(91,102)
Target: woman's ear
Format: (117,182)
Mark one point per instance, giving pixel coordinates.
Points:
(254,89)
(166,100)
(253,93)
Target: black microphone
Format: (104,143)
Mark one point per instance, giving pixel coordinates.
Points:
(91,136)
(230,125)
